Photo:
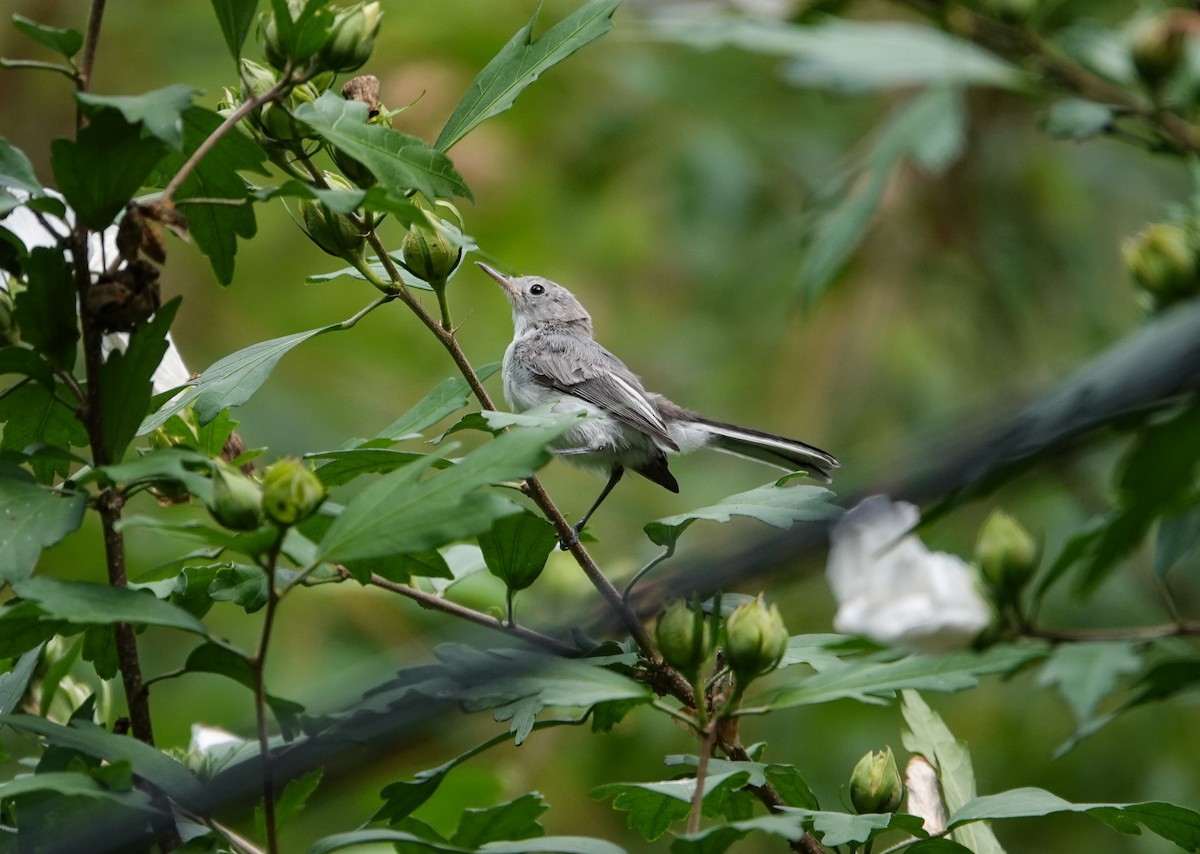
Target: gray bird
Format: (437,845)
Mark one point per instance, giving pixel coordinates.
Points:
(554,358)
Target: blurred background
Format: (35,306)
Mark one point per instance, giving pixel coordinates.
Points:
(671,189)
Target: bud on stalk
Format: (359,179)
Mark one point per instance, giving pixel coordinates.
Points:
(290,492)
(1162,258)
(875,785)
(351,38)
(1007,554)
(237,501)
(684,637)
(756,640)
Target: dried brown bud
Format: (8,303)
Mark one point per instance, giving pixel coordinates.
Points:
(364,88)
(125,299)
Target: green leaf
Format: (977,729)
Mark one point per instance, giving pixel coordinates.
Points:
(170,467)
(344,466)
(154,765)
(654,807)
(104,167)
(872,681)
(542,845)
(34,418)
(15,682)
(99,647)
(1173,823)
(33,518)
(235,18)
(215,227)
(1177,537)
(83,603)
(45,310)
(295,796)
(400,162)
(516,819)
(16,170)
(833,53)
(447,397)
(125,379)
(516,547)
(777,506)
(377,268)
(522,61)
(1077,119)
(786,779)
(223,661)
(233,380)
(929,736)
(159,112)
(400,513)
(72,784)
(27,363)
(245,586)
(23,626)
(1086,673)
(62,41)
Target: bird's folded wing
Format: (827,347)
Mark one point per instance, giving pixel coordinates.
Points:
(582,368)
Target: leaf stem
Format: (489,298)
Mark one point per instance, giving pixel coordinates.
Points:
(83,77)
(706,749)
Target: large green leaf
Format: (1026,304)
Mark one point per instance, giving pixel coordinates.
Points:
(45,310)
(104,167)
(872,680)
(82,603)
(215,227)
(401,512)
(235,18)
(516,819)
(159,112)
(516,547)
(33,518)
(400,162)
(39,427)
(1174,823)
(929,736)
(776,505)
(1086,673)
(522,61)
(654,807)
(125,381)
(851,55)
(75,785)
(15,169)
(446,398)
(63,41)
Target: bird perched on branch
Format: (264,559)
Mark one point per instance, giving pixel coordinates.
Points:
(553,358)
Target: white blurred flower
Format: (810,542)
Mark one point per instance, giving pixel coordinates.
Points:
(207,739)
(893,589)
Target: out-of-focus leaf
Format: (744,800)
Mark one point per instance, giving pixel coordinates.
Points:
(73,784)
(654,807)
(522,61)
(851,55)
(1077,119)
(159,112)
(1178,536)
(1099,48)
(820,652)
(541,845)
(872,681)
(777,506)
(83,603)
(23,626)
(1174,823)
(398,160)
(15,169)
(516,819)
(14,683)
(99,648)
(223,661)
(463,560)
(104,167)
(402,513)
(928,735)
(156,766)
(291,801)
(66,42)
(27,363)
(33,518)
(125,378)
(45,310)
(235,18)
(215,227)
(516,547)
(1086,673)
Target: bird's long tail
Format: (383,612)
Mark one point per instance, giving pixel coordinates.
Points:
(789,454)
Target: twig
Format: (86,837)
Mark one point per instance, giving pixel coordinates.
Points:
(437,603)
(258,667)
(706,749)
(83,78)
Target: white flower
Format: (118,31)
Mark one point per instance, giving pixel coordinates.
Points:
(893,589)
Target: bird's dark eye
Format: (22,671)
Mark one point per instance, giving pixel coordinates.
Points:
(537,290)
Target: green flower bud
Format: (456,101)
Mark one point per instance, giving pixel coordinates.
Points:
(335,233)
(291,492)
(756,639)
(875,784)
(685,638)
(273,47)
(351,38)
(237,501)
(9,334)
(1162,258)
(1007,554)
(256,79)
(1157,49)
(430,255)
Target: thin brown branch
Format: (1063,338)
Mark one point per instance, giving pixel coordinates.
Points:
(437,603)
(706,749)
(91,39)
(258,667)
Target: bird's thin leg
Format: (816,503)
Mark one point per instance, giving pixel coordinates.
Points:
(613,480)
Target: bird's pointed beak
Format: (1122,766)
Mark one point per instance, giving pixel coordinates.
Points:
(500,278)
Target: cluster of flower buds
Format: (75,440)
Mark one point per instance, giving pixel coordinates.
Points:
(272,124)
(1164,259)
(289,494)
(875,784)
(755,639)
(348,37)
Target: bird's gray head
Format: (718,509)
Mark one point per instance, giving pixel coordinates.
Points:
(538,303)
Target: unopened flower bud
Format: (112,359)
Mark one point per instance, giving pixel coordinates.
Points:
(430,255)
(291,492)
(237,501)
(273,47)
(756,639)
(1162,258)
(351,38)
(685,638)
(1007,554)
(256,78)
(1157,49)
(335,233)
(875,784)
